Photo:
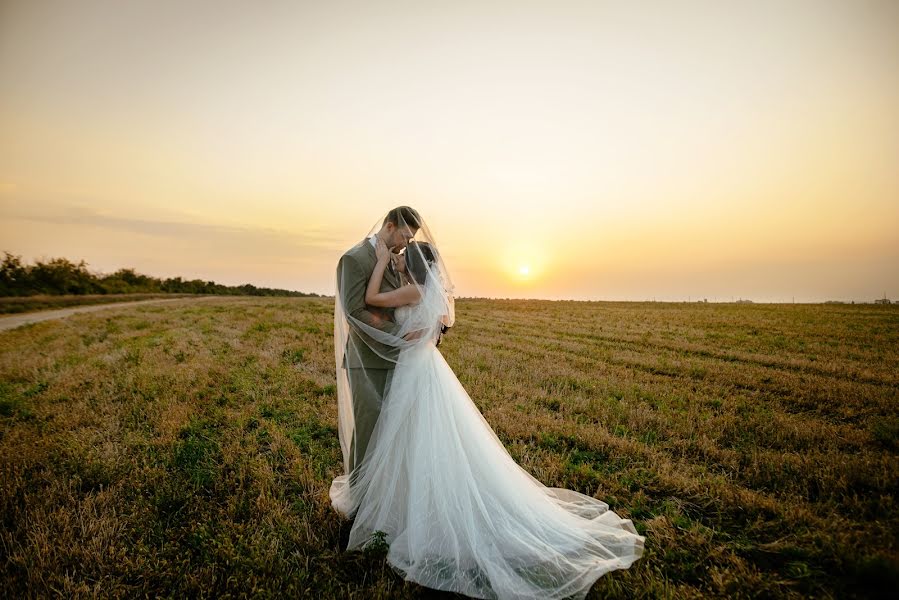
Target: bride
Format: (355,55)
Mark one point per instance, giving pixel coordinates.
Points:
(437,484)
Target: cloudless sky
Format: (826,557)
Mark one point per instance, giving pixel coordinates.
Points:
(587,150)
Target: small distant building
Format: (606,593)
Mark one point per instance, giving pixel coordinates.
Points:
(744,301)
(882,301)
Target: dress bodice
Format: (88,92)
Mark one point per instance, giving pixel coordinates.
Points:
(402,314)
(424,314)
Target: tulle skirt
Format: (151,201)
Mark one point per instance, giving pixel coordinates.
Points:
(459,514)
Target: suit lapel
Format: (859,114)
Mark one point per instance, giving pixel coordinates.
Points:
(390,277)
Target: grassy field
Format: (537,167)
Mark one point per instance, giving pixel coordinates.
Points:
(21,304)
(187,450)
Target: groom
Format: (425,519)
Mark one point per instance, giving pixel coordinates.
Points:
(367,361)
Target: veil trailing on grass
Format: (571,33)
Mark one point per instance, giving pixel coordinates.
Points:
(425,472)
(368,339)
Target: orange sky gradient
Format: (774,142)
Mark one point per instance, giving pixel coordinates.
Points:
(625,152)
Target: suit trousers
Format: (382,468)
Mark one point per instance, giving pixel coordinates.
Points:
(367,388)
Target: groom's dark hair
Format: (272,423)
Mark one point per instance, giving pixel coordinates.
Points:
(403,215)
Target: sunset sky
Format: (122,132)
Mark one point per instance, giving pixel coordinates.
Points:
(584,150)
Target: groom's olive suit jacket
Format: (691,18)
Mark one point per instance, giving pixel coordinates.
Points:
(353,272)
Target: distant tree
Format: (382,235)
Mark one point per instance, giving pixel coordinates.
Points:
(172,285)
(61,276)
(14,276)
(126,281)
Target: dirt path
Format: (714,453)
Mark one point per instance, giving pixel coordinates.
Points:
(17,320)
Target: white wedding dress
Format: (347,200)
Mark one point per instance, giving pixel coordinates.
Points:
(458,512)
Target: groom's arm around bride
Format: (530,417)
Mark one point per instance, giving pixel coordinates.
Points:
(352,280)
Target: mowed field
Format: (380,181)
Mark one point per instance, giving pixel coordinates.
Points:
(186,450)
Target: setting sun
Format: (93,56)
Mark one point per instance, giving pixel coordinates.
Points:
(524,270)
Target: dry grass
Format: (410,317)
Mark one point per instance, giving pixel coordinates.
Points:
(187,450)
(21,304)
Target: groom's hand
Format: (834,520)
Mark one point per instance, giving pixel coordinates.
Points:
(414,335)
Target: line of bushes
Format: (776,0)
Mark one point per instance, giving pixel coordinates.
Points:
(58,276)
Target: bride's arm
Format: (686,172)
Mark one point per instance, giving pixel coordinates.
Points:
(407,294)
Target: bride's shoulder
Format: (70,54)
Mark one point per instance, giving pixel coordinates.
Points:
(411,292)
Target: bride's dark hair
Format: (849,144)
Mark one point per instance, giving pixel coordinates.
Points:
(419,256)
